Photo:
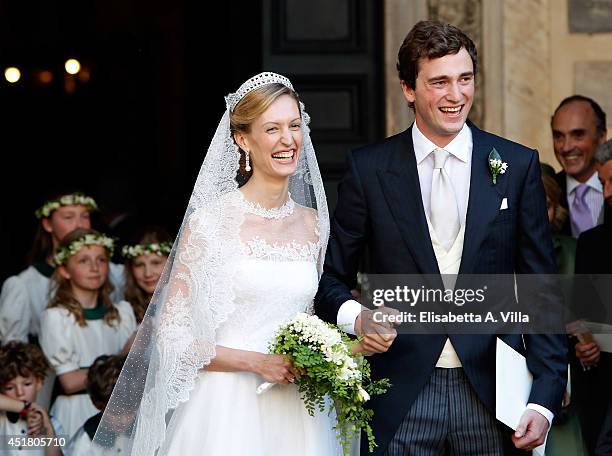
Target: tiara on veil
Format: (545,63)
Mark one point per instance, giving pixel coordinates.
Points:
(255,82)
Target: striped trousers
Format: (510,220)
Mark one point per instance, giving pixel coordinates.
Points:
(447,418)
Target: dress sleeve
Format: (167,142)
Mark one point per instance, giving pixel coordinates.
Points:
(15,310)
(128,320)
(56,342)
(117,278)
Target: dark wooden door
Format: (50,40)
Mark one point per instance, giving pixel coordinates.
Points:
(332,52)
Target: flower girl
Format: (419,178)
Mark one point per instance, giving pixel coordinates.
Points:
(26,295)
(144,264)
(82,322)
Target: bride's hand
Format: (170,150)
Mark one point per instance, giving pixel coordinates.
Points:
(276,369)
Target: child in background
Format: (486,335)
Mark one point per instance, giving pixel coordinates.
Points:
(101,379)
(22,371)
(25,296)
(82,322)
(144,263)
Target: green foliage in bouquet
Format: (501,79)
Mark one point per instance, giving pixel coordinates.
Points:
(324,352)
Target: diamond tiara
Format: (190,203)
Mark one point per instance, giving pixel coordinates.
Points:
(255,82)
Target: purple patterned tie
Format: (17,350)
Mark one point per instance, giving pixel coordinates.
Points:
(580,214)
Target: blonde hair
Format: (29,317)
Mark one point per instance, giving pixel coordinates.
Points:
(42,247)
(64,297)
(553,193)
(250,107)
(135,295)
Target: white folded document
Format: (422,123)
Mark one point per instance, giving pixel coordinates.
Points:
(602,333)
(512,387)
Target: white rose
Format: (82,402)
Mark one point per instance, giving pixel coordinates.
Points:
(345,373)
(363,394)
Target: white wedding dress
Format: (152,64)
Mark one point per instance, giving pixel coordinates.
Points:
(274,278)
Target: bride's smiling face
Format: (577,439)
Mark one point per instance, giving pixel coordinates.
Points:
(274,139)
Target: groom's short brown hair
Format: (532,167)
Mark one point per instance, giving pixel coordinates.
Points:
(431,40)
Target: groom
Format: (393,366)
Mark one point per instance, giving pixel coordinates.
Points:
(423,202)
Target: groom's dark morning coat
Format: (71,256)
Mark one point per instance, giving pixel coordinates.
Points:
(380,205)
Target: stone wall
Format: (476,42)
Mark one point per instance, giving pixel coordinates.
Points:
(529,62)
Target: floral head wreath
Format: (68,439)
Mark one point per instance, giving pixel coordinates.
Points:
(62,255)
(73,199)
(159,248)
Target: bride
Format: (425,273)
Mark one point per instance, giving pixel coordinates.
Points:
(247,259)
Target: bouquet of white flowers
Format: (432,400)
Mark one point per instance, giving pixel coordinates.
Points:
(324,352)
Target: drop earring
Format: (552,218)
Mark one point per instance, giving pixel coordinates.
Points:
(247,162)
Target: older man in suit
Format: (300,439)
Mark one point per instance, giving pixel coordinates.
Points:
(578,128)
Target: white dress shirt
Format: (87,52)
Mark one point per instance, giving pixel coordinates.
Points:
(458,166)
(593,197)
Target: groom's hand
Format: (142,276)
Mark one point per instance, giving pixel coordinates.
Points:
(531,430)
(377,335)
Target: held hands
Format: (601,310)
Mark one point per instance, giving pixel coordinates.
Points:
(377,335)
(277,369)
(531,430)
(588,353)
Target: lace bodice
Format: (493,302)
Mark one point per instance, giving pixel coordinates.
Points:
(275,277)
(267,294)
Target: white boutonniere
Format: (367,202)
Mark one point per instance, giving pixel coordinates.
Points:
(496,165)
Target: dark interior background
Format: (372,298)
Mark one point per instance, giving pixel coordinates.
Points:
(133,133)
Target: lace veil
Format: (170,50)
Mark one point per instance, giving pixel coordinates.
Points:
(194,295)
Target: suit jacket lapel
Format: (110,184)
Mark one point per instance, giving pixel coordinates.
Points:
(400,185)
(484,199)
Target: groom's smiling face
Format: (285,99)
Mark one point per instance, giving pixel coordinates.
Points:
(442,96)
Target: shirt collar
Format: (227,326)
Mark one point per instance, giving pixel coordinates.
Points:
(592,182)
(44,268)
(460,146)
(97,313)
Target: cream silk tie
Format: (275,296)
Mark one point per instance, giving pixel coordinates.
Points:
(444,211)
